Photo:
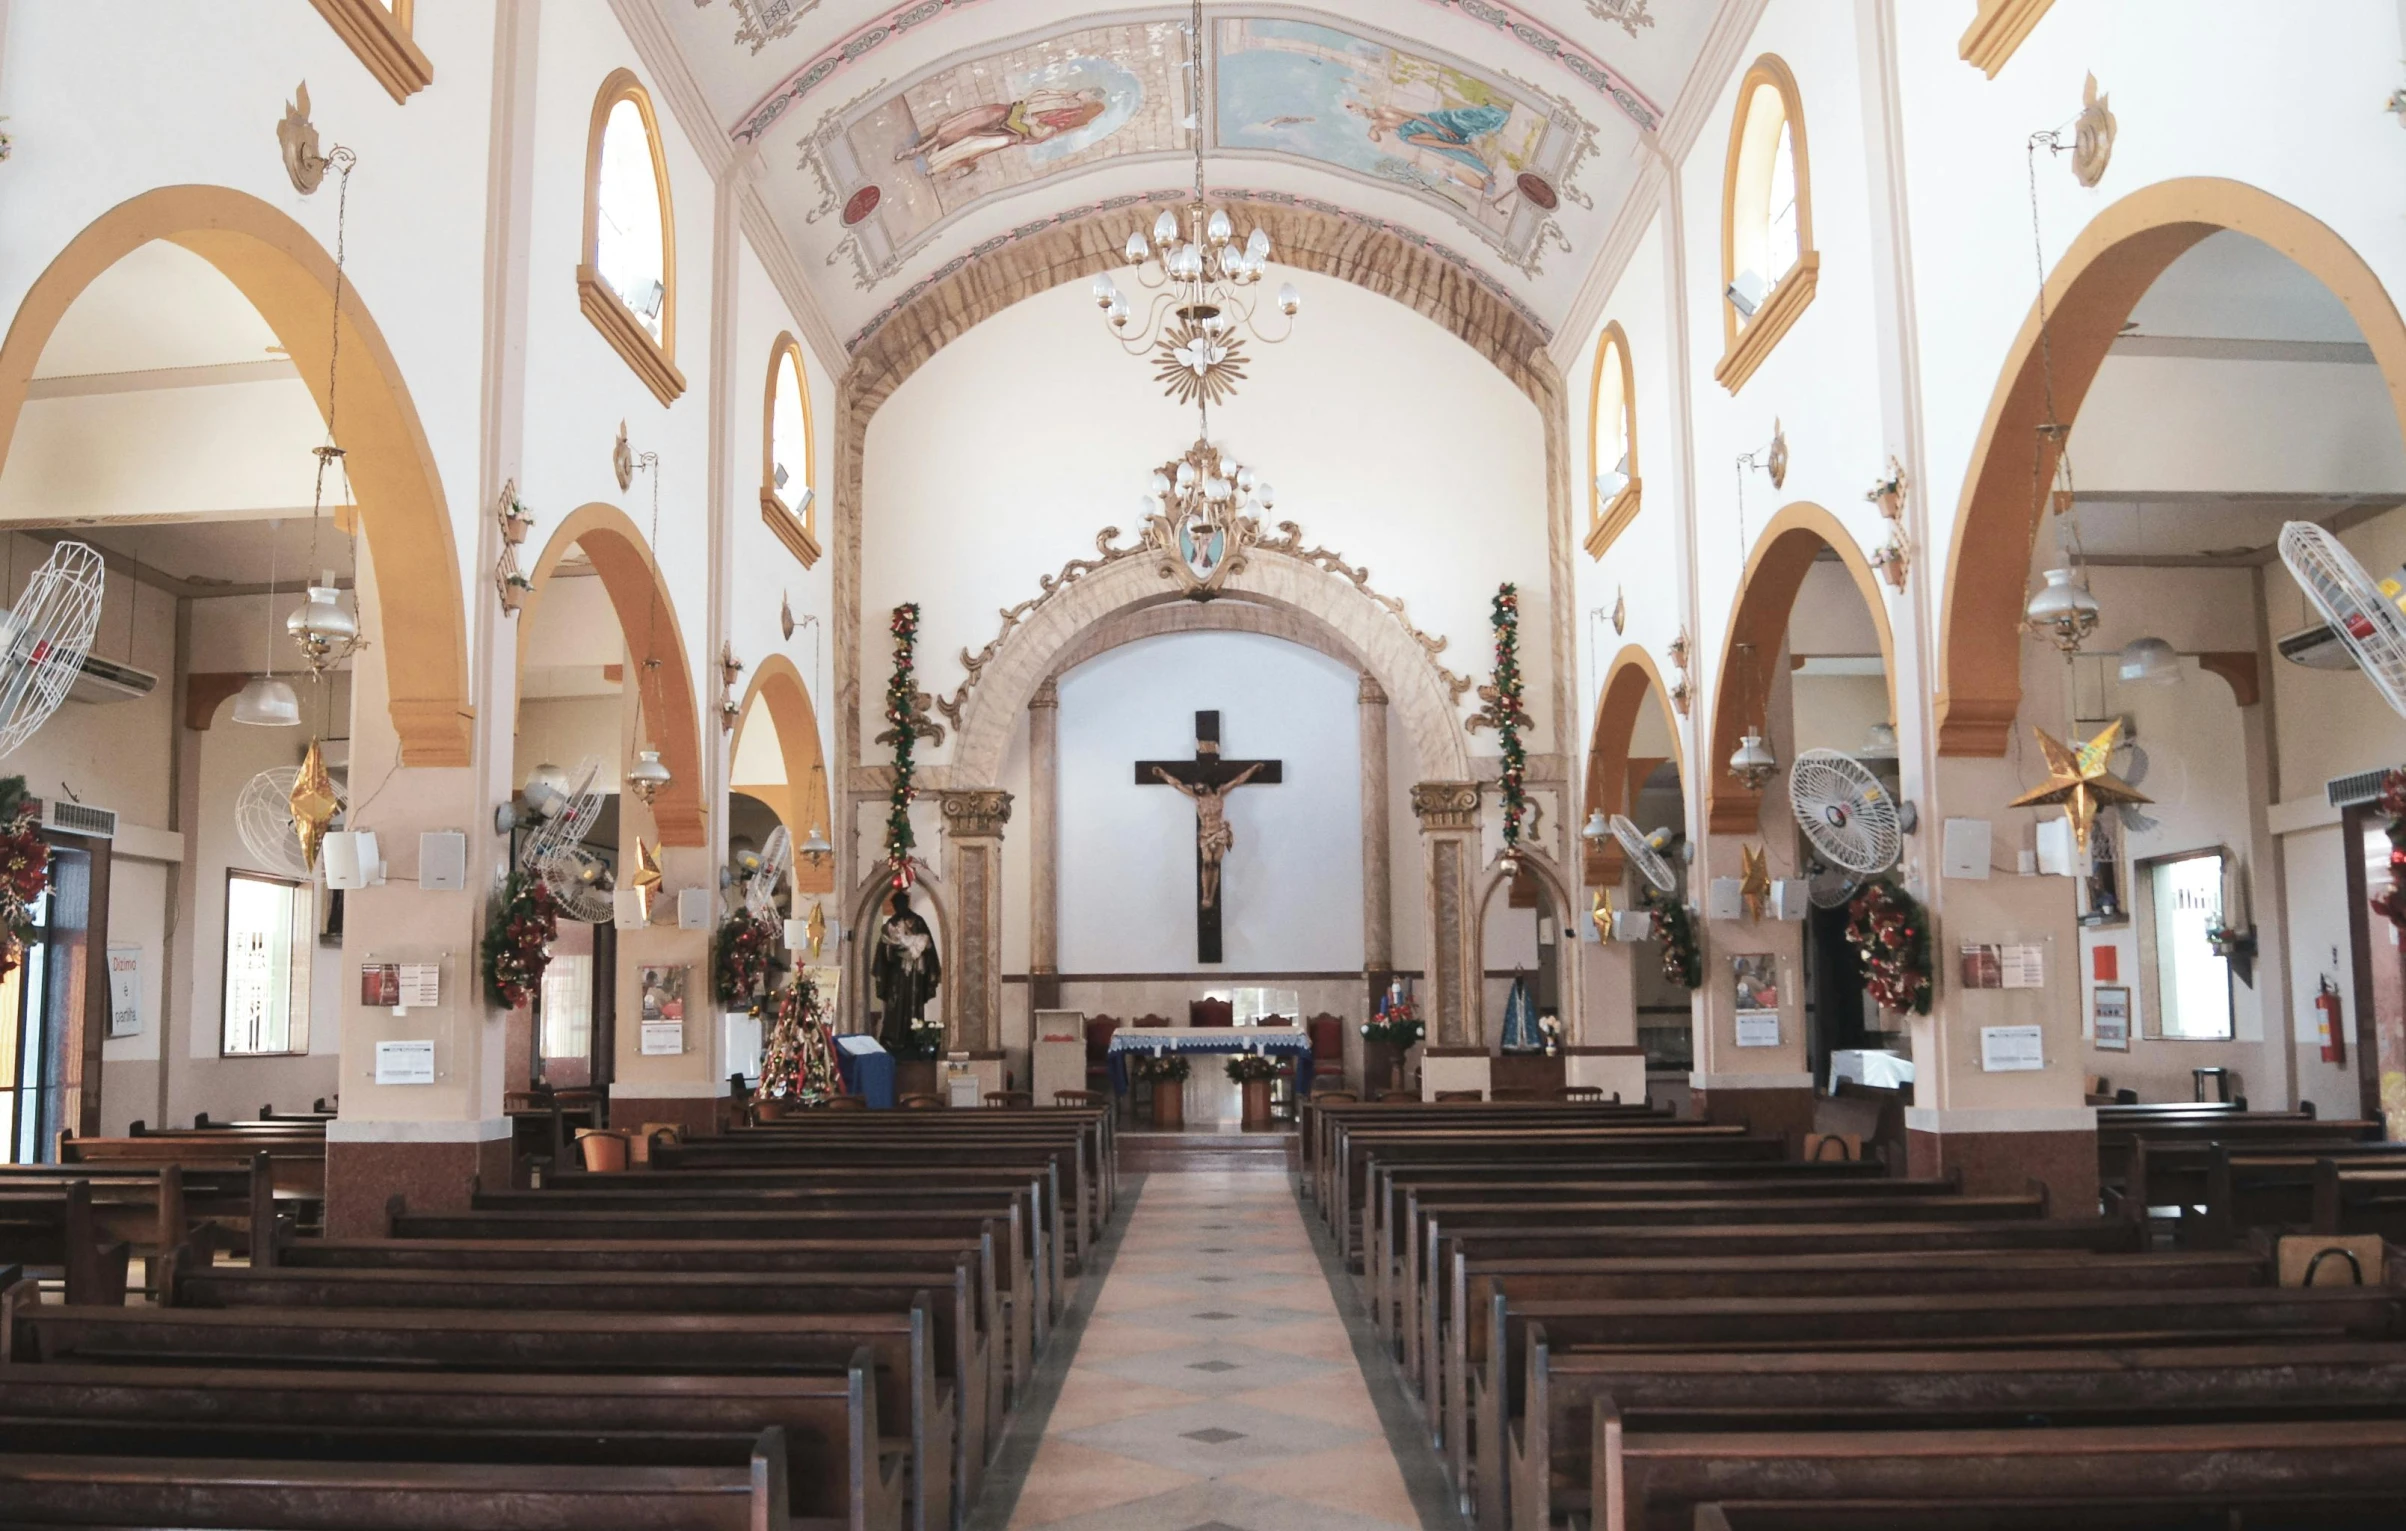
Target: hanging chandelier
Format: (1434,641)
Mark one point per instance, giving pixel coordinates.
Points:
(1752,762)
(1202,282)
(1201,513)
(325,627)
(649,774)
(2062,610)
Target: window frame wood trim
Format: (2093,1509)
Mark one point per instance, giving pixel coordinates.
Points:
(1997,31)
(381,38)
(653,360)
(1607,521)
(1745,345)
(225,936)
(798,530)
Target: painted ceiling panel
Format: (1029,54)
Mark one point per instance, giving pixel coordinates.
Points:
(898,139)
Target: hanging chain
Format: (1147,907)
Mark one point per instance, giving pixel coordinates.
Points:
(342,159)
(649,462)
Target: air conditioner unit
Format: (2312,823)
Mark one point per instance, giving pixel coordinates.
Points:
(105,680)
(79,819)
(2317,648)
(2358,787)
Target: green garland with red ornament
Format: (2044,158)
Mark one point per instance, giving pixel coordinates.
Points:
(24,870)
(1675,932)
(2390,902)
(746,942)
(1892,930)
(902,714)
(1505,713)
(518,937)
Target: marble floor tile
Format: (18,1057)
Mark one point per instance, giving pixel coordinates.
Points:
(1071,1480)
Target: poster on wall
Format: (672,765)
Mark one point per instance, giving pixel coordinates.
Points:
(2012,1049)
(2110,1007)
(663,1010)
(125,991)
(1990,966)
(1755,976)
(407,1062)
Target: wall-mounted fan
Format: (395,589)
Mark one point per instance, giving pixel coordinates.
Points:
(2364,613)
(579,878)
(263,817)
(1646,853)
(1855,824)
(776,864)
(44,637)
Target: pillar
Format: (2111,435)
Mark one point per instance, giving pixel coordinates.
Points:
(973,824)
(1449,837)
(1044,847)
(1378,895)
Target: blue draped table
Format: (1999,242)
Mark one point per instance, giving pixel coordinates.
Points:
(868,1070)
(1291,1043)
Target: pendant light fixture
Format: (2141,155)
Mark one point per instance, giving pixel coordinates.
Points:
(325,626)
(264,701)
(815,847)
(2148,662)
(1752,762)
(648,775)
(2062,610)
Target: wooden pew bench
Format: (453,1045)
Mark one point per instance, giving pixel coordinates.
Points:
(158,1209)
(839,1470)
(2348,1199)
(53,1231)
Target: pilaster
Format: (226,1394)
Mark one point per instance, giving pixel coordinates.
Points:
(1449,837)
(1378,894)
(1044,846)
(973,825)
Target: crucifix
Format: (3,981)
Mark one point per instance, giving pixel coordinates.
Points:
(1208,779)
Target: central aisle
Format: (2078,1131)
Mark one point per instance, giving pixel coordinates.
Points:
(1215,1384)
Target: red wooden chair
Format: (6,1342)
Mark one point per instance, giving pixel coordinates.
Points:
(1210,1012)
(1098,1052)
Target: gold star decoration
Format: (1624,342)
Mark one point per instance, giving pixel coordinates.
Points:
(1754,885)
(646,877)
(1602,910)
(2078,779)
(314,802)
(817,929)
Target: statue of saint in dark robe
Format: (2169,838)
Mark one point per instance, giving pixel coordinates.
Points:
(905,972)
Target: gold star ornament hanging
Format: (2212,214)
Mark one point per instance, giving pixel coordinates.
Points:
(314,802)
(1602,912)
(1754,884)
(645,879)
(2078,779)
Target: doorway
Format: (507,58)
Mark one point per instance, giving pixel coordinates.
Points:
(49,1037)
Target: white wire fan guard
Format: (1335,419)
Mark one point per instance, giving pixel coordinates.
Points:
(44,639)
(2364,613)
(581,883)
(263,817)
(578,878)
(1851,819)
(1642,855)
(776,863)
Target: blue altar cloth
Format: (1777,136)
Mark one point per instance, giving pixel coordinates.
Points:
(868,1070)
(1295,1046)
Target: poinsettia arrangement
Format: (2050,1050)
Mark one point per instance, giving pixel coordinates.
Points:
(2390,901)
(24,870)
(902,712)
(1892,930)
(518,938)
(1398,1023)
(1245,1067)
(1162,1068)
(1675,932)
(746,942)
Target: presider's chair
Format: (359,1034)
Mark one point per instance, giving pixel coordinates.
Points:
(1210,1012)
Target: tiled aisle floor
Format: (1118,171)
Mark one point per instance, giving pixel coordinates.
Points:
(1215,1386)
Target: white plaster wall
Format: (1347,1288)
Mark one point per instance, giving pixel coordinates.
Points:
(1291,890)
(2171,424)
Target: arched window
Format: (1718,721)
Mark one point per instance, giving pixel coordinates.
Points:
(1612,442)
(627,282)
(788,488)
(1769,267)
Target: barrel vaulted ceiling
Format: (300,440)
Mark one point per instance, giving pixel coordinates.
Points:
(894,141)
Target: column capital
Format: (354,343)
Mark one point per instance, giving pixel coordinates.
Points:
(1047,694)
(1446,805)
(975,813)
(1373,694)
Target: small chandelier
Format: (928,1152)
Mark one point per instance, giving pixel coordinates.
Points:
(1752,762)
(1201,279)
(1599,828)
(324,626)
(815,847)
(2062,610)
(647,776)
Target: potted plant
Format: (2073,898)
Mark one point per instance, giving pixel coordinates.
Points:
(1166,1073)
(916,1069)
(1253,1073)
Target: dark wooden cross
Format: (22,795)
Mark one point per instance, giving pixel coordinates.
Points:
(1208,778)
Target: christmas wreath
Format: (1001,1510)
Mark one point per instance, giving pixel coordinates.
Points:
(24,870)
(518,940)
(746,941)
(1506,715)
(902,713)
(1893,931)
(1675,929)
(2390,901)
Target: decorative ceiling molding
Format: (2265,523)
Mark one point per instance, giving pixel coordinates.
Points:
(1606,80)
(785,274)
(836,56)
(1234,198)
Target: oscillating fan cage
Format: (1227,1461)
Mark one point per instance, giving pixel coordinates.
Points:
(580,884)
(565,830)
(263,818)
(2360,610)
(776,862)
(44,638)
(1644,857)
(1842,808)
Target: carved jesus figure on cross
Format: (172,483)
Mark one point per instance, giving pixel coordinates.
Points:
(1206,780)
(1213,837)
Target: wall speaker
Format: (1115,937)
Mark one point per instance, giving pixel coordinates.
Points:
(442,861)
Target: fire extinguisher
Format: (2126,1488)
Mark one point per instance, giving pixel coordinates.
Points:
(2329,1021)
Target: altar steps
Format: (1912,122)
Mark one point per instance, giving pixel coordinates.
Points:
(1151,1153)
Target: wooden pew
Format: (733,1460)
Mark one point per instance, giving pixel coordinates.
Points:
(158,1209)
(135,1491)
(915,1406)
(2116,1140)
(297,1161)
(2348,1200)
(959,1354)
(54,1229)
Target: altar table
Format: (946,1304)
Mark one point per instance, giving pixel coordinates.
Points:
(1290,1042)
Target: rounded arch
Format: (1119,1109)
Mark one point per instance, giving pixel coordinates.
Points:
(1631,677)
(1614,370)
(1297,591)
(646,617)
(2090,292)
(1753,144)
(1775,571)
(799,501)
(778,686)
(284,273)
(651,352)
(1567,956)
